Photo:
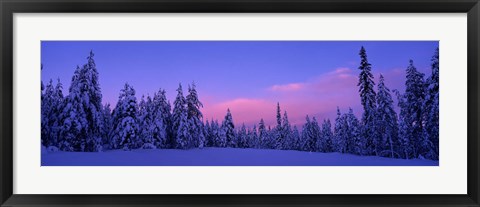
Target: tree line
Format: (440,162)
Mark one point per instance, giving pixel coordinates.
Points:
(79,121)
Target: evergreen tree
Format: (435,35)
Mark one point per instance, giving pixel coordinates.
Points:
(287,133)
(414,96)
(183,139)
(367,95)
(107,126)
(46,107)
(354,142)
(278,133)
(73,117)
(406,146)
(229,130)
(163,120)
(327,135)
(195,116)
(253,140)
(340,133)
(179,110)
(431,111)
(386,123)
(209,141)
(262,135)
(309,135)
(242,137)
(126,132)
(296,139)
(92,100)
(219,135)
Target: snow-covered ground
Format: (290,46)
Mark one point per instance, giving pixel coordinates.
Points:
(219,157)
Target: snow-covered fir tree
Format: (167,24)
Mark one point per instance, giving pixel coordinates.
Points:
(431,111)
(262,135)
(126,132)
(367,95)
(207,130)
(183,137)
(414,98)
(327,136)
(52,106)
(228,129)
(406,146)
(354,141)
(163,120)
(82,117)
(288,141)
(296,139)
(309,135)
(195,117)
(73,117)
(242,141)
(386,122)
(253,140)
(160,113)
(340,133)
(219,135)
(107,125)
(179,110)
(278,132)
(93,105)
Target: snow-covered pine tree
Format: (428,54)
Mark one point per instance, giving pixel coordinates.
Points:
(286,133)
(415,96)
(386,123)
(107,126)
(92,100)
(183,139)
(296,139)
(229,130)
(308,136)
(47,116)
(406,146)
(73,116)
(207,130)
(278,132)
(195,117)
(163,124)
(242,141)
(354,141)
(324,141)
(144,118)
(253,141)
(316,135)
(327,135)
(340,133)
(431,111)
(219,135)
(57,112)
(262,135)
(367,95)
(179,108)
(83,110)
(126,132)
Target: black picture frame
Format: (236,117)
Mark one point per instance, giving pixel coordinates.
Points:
(9,7)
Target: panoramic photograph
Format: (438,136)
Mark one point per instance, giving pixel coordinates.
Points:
(239,103)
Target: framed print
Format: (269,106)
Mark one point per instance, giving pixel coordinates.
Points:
(261,103)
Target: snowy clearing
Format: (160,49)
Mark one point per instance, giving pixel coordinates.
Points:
(219,157)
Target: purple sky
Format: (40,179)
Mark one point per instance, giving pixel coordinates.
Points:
(249,77)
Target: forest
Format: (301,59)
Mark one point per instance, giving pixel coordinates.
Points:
(79,122)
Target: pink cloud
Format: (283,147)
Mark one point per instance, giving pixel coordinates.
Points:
(287,87)
(318,97)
